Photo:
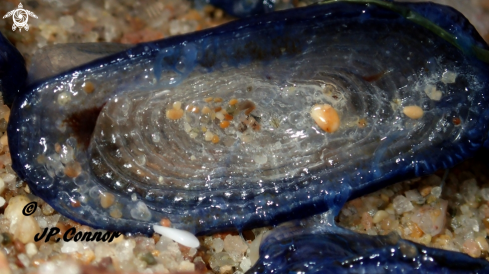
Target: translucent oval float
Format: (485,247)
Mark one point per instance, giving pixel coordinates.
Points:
(213,130)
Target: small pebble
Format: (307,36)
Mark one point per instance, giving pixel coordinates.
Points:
(472,248)
(67,22)
(217,245)
(24,228)
(186,266)
(402,204)
(208,136)
(30,249)
(425,191)
(235,243)
(226,269)
(24,260)
(379,216)
(4,140)
(245,264)
(47,209)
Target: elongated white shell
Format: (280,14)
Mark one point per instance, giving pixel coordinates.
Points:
(180,236)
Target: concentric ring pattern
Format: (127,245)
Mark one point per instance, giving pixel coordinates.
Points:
(217,124)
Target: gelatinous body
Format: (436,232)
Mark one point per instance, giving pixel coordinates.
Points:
(12,71)
(213,130)
(338,250)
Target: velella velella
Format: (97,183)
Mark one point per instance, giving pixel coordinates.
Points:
(137,137)
(330,249)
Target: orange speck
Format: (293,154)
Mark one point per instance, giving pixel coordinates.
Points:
(165,222)
(233,102)
(174,114)
(155,253)
(89,87)
(156,237)
(73,169)
(224,124)
(326,117)
(362,123)
(217,109)
(228,117)
(106,199)
(215,139)
(75,203)
(217,99)
(208,99)
(413,112)
(206,110)
(456,121)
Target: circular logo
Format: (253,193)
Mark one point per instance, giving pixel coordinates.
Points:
(20,18)
(29,209)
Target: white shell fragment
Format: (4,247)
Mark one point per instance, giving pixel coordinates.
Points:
(433,93)
(180,236)
(449,77)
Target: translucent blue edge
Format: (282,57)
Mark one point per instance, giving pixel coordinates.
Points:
(337,250)
(13,73)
